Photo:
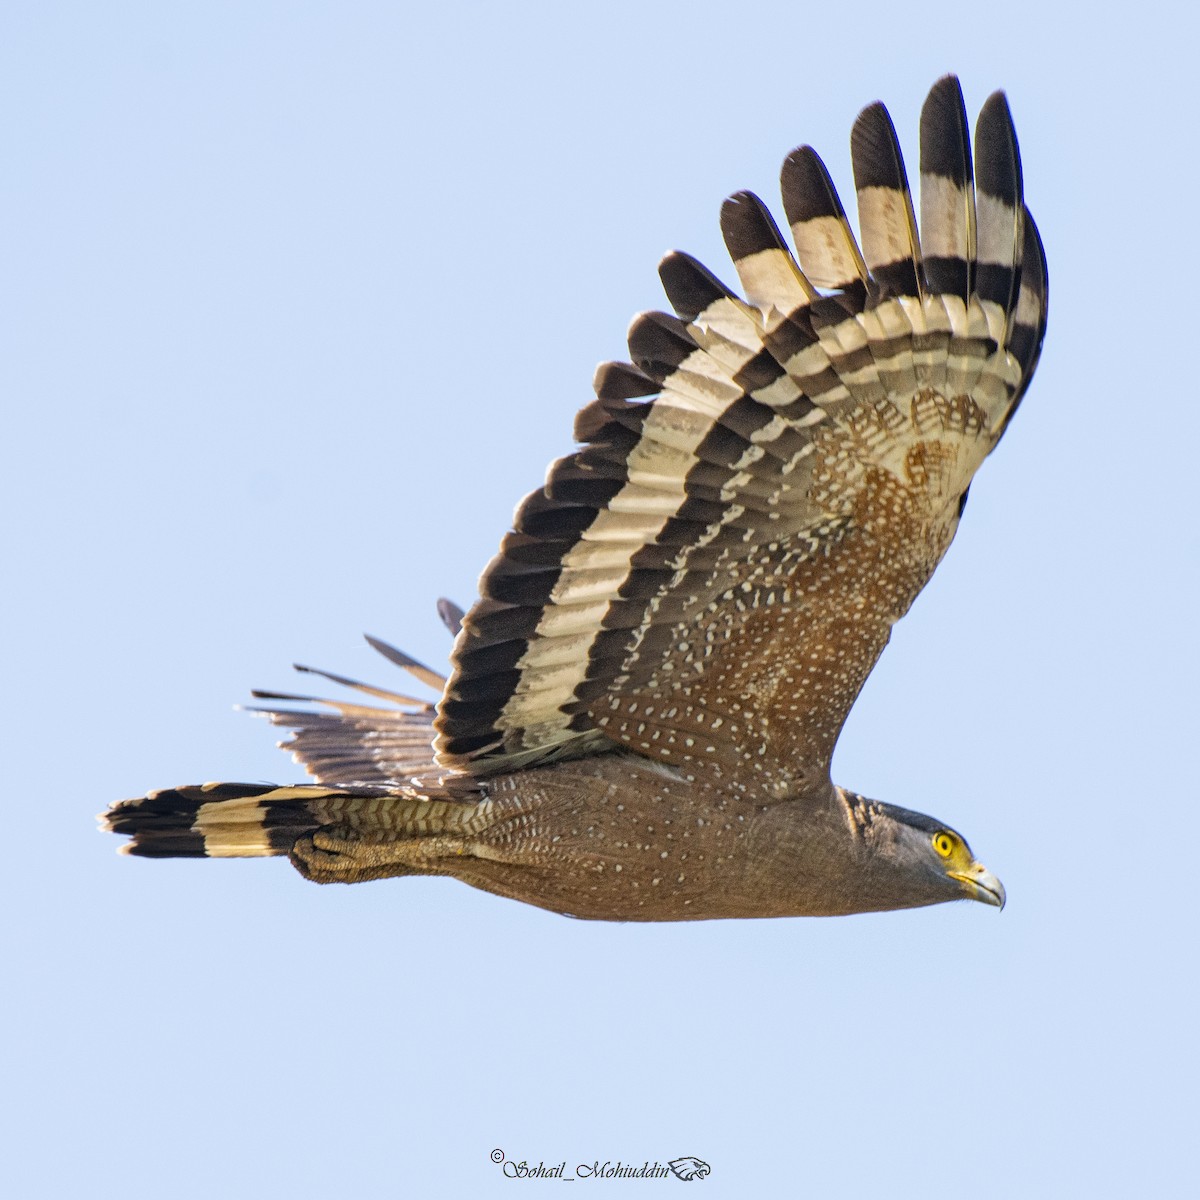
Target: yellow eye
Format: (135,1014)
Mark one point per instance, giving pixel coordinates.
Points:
(943,843)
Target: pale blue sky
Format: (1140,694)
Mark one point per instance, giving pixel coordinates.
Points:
(301,298)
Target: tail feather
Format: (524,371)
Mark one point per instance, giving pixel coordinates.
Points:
(224,820)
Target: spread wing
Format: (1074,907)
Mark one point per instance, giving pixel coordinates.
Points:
(764,489)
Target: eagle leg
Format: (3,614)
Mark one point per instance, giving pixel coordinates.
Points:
(326,857)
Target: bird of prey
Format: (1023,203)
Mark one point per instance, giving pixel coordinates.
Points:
(644,700)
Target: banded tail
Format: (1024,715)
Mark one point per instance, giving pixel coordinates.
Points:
(342,835)
(227,820)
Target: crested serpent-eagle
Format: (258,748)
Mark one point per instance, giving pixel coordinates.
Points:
(643,703)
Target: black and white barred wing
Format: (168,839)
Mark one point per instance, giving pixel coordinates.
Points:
(767,485)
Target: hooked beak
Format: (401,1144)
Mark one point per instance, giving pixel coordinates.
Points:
(980,884)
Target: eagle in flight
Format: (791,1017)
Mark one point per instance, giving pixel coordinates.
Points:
(644,700)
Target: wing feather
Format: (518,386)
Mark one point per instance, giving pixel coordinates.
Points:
(759,494)
(829,255)
(769,481)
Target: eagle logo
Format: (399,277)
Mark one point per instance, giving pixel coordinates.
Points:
(689,1167)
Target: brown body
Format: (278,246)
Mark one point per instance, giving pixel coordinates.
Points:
(609,838)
